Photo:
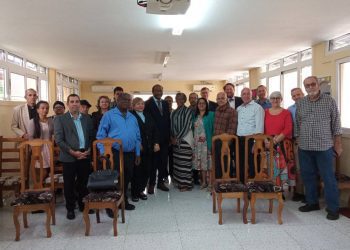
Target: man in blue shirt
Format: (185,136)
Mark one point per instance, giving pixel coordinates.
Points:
(119,123)
(262,99)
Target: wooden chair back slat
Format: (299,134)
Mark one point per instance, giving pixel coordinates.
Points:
(5,149)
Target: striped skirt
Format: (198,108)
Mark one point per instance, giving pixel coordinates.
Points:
(182,173)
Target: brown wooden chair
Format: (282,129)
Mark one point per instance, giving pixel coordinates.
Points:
(227,187)
(58,169)
(9,154)
(106,199)
(263,184)
(38,197)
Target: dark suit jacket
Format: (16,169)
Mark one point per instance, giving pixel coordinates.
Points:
(66,135)
(212,106)
(238,101)
(148,130)
(162,121)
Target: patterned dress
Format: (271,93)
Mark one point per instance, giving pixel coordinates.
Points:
(201,154)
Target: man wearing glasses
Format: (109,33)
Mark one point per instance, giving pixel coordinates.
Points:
(58,108)
(318,134)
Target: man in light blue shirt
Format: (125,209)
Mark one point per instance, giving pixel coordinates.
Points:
(297,94)
(119,123)
(262,99)
(250,121)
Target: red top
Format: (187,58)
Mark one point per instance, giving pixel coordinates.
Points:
(277,124)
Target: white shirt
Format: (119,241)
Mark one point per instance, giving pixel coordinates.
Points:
(231,101)
(250,119)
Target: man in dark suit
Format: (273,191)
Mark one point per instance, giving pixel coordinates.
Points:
(205,94)
(73,134)
(233,100)
(159,111)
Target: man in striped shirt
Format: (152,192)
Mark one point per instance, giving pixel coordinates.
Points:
(319,137)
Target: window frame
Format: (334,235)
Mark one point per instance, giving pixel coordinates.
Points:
(337,95)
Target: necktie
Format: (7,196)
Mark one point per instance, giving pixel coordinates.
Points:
(159,104)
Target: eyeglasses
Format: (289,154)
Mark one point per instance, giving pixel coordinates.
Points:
(313,84)
(275,98)
(58,107)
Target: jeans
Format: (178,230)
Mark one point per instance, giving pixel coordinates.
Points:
(313,163)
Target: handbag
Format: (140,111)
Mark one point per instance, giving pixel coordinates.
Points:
(103,179)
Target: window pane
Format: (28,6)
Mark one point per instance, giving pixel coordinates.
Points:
(290,59)
(263,68)
(306,54)
(340,42)
(2,55)
(66,93)
(59,93)
(42,69)
(344,90)
(15,59)
(17,87)
(274,84)
(290,81)
(2,83)
(263,81)
(305,72)
(31,66)
(274,65)
(31,83)
(43,90)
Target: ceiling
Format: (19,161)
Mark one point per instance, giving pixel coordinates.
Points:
(116,40)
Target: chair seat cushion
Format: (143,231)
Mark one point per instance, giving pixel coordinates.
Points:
(58,178)
(103,196)
(263,187)
(230,187)
(33,197)
(342,177)
(10,180)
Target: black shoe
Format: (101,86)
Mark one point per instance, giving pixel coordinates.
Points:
(150,189)
(70,215)
(309,208)
(162,187)
(129,206)
(135,198)
(298,197)
(110,213)
(142,196)
(332,215)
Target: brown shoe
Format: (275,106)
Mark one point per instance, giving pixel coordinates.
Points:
(150,189)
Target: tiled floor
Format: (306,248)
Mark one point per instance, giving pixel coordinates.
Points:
(177,220)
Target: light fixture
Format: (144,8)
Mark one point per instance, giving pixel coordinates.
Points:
(160,77)
(166,59)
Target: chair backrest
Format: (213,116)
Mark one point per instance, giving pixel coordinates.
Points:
(9,152)
(107,144)
(263,158)
(35,147)
(227,141)
(58,166)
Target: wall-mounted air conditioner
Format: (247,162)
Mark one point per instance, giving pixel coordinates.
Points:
(198,87)
(102,88)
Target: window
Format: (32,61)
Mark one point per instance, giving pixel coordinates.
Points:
(274,84)
(44,89)
(263,81)
(274,65)
(305,72)
(42,70)
(31,83)
(344,88)
(339,42)
(2,83)
(15,59)
(31,66)
(2,55)
(306,54)
(65,86)
(290,81)
(17,87)
(290,59)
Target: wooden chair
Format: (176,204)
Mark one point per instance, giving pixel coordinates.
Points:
(38,197)
(106,199)
(227,187)
(9,153)
(262,185)
(58,169)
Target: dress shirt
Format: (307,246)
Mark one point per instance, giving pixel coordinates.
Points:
(264,104)
(77,123)
(231,101)
(32,111)
(250,119)
(114,124)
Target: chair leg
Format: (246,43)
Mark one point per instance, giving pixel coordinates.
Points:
(115,220)
(245,208)
(123,211)
(252,206)
(86,219)
(280,208)
(1,198)
(349,202)
(25,220)
(270,206)
(98,220)
(214,201)
(220,208)
(16,222)
(238,205)
(53,211)
(48,220)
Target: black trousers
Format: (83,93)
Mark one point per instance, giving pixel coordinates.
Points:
(171,160)
(75,176)
(160,163)
(251,171)
(141,174)
(129,164)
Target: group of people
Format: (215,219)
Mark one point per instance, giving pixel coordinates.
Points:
(159,141)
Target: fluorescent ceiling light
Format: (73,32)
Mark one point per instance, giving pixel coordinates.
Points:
(166,60)
(192,19)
